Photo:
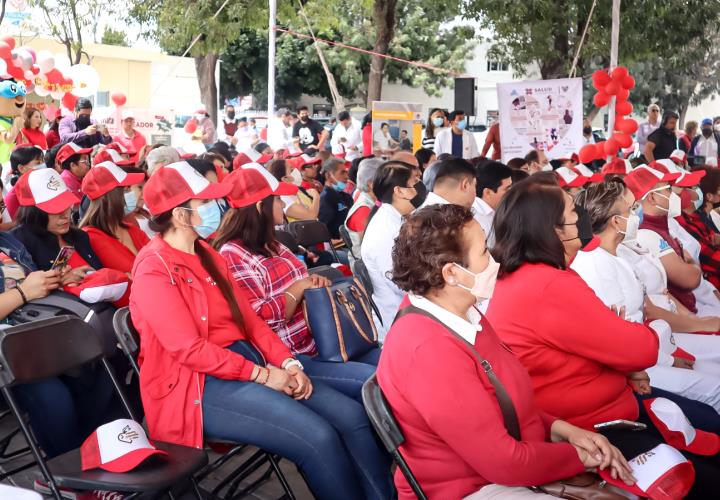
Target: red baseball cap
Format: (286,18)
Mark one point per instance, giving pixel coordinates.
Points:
(103,285)
(586,172)
(686,179)
(569,178)
(45,189)
(174,184)
(252,183)
(70,149)
(120,148)
(185,155)
(678,155)
(617,166)
(117,446)
(672,423)
(111,155)
(643,178)
(106,176)
(250,156)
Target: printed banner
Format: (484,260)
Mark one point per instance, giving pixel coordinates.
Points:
(545,115)
(150,122)
(396,126)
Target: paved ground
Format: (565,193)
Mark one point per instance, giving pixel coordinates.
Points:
(268,490)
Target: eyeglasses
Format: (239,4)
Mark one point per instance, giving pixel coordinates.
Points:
(83,161)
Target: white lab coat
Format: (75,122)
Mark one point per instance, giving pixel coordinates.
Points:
(443,144)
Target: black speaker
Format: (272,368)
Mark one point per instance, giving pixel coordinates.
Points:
(465,95)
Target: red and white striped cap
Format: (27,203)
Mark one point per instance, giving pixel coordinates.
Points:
(111,155)
(586,172)
(643,178)
(252,183)
(305,159)
(44,189)
(68,150)
(617,166)
(172,185)
(250,156)
(105,177)
(117,446)
(677,430)
(103,285)
(569,178)
(686,179)
(120,148)
(678,155)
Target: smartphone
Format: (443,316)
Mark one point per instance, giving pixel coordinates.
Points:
(620,424)
(63,257)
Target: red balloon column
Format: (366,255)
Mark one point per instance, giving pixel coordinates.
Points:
(618,83)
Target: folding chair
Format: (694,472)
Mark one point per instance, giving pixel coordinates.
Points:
(359,269)
(382,419)
(309,233)
(129,342)
(59,345)
(291,243)
(288,240)
(345,236)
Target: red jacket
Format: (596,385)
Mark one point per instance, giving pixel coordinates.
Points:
(577,351)
(170,310)
(111,251)
(455,438)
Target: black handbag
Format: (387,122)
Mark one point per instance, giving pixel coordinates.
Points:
(339,319)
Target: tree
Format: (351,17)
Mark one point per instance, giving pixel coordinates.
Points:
(384,21)
(114,37)
(3,3)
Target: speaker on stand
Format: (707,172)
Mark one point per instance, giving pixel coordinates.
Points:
(465,95)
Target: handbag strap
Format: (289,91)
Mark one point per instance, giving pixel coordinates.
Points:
(507,408)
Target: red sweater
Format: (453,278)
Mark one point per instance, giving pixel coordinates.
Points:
(455,439)
(112,252)
(577,351)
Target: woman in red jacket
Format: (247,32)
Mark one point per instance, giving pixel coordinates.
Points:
(580,354)
(209,366)
(456,439)
(113,197)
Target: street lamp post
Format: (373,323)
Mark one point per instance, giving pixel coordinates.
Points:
(271,59)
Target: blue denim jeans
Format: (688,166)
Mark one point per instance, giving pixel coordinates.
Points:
(328,436)
(347,378)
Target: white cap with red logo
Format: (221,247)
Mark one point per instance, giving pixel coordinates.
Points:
(46,190)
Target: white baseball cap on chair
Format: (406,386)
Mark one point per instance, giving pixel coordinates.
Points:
(117,446)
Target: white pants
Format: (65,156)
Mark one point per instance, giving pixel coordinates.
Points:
(691,384)
(495,491)
(705,348)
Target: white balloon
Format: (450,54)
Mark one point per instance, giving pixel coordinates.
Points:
(85,80)
(57,94)
(30,87)
(45,61)
(62,62)
(26,59)
(40,91)
(29,75)
(16,59)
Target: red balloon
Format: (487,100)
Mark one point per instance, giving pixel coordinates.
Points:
(5,51)
(611,147)
(619,73)
(191,126)
(622,94)
(600,78)
(623,140)
(628,82)
(35,69)
(69,101)
(9,40)
(612,88)
(623,108)
(626,126)
(587,153)
(118,98)
(601,99)
(600,151)
(54,76)
(17,73)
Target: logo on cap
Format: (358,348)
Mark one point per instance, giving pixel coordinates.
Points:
(53,184)
(128,435)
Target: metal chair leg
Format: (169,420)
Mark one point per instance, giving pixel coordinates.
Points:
(275,464)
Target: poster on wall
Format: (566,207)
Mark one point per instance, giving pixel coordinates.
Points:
(396,126)
(544,115)
(152,123)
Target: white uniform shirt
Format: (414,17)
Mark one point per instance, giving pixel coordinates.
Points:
(484,214)
(245,138)
(443,143)
(707,147)
(353,136)
(279,136)
(376,252)
(687,241)
(433,199)
(649,271)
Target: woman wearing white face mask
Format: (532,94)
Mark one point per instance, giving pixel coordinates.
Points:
(615,283)
(433,379)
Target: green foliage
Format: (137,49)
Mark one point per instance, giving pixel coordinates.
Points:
(114,37)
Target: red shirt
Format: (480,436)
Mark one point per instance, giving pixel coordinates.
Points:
(134,143)
(455,438)
(367,139)
(358,221)
(53,138)
(577,351)
(111,251)
(32,136)
(11,203)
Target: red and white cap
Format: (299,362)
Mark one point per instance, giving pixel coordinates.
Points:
(677,430)
(68,150)
(106,176)
(45,189)
(686,179)
(117,446)
(120,148)
(586,172)
(111,155)
(617,166)
(662,473)
(301,160)
(643,178)
(250,156)
(252,183)
(678,155)
(569,178)
(174,184)
(103,285)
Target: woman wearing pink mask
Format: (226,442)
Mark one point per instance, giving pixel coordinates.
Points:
(445,399)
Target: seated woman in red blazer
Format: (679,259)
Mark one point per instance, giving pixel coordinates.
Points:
(456,439)
(113,196)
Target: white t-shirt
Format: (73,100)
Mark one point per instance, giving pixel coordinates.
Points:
(654,243)
(687,241)
(649,271)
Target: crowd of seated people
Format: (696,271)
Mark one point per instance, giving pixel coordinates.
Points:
(589,293)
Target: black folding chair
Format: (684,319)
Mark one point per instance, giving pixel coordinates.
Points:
(291,243)
(288,240)
(382,419)
(312,232)
(345,236)
(129,341)
(59,345)
(359,269)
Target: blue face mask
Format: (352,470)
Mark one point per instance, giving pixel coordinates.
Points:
(639,212)
(130,202)
(210,217)
(462,124)
(438,122)
(339,186)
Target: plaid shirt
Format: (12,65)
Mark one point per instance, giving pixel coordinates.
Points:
(265,280)
(709,253)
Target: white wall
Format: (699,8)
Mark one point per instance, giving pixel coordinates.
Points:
(174,84)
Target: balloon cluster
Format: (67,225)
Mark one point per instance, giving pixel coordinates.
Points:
(47,74)
(616,84)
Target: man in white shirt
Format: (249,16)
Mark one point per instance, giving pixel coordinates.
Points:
(649,126)
(455,140)
(244,138)
(454,183)
(280,131)
(493,181)
(346,137)
(705,145)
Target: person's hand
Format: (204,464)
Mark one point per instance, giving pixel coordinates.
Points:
(313,146)
(640,382)
(620,311)
(18,123)
(39,284)
(281,380)
(683,363)
(319,281)
(298,288)
(595,452)
(104,131)
(688,258)
(304,385)
(710,324)
(72,276)
(313,193)
(91,130)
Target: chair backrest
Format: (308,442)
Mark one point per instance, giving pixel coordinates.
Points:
(127,336)
(328,272)
(309,232)
(345,236)
(359,269)
(46,348)
(287,239)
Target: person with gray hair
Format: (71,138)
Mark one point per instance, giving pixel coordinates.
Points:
(359,213)
(158,157)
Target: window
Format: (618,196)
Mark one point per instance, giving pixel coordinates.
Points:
(103,98)
(497,66)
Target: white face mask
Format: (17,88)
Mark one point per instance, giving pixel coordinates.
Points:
(674,207)
(199,117)
(717,127)
(296,177)
(631,228)
(484,284)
